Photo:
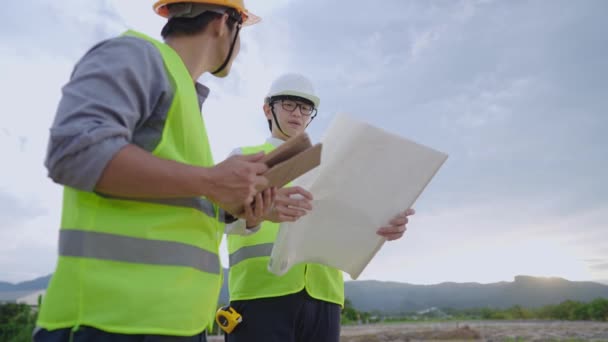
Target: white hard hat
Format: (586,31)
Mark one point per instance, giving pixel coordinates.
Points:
(293,85)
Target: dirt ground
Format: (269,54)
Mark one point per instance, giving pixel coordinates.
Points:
(473,331)
(478,331)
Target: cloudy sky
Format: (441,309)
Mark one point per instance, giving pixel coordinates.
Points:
(516,92)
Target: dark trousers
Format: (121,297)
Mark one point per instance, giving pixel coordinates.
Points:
(292,318)
(95,335)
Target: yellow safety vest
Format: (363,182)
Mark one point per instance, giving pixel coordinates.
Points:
(142,267)
(249,277)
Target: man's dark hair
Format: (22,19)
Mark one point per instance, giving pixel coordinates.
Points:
(190,26)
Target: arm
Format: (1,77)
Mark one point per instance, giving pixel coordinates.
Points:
(113,91)
(135,173)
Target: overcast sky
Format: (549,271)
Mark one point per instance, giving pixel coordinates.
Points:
(516,92)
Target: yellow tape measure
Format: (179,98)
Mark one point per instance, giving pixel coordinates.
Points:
(227,318)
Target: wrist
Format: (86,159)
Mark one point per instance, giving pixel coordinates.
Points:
(205,182)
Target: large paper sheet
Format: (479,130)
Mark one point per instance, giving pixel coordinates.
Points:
(366,177)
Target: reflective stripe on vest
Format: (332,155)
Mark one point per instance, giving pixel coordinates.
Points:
(104,246)
(248,252)
(201,204)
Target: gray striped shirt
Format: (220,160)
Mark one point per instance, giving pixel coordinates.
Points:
(119,93)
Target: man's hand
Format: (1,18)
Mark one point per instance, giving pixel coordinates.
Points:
(290,204)
(260,208)
(232,183)
(397,226)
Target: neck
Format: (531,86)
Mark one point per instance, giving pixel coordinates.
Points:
(194,52)
(279,135)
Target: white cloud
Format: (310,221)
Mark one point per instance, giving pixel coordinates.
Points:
(29,232)
(490,242)
(423,41)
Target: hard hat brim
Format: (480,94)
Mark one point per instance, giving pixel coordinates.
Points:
(160,7)
(252,19)
(314,99)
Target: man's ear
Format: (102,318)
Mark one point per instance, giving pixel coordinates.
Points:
(267,111)
(220,26)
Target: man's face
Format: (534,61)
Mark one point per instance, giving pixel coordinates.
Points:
(293,115)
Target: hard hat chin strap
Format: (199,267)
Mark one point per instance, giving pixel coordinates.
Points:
(276,121)
(218,70)
(313,117)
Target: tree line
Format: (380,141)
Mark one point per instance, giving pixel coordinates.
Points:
(569,310)
(17,322)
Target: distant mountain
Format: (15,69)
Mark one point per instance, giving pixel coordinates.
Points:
(391,297)
(35,284)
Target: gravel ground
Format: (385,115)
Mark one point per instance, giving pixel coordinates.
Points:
(473,331)
(479,331)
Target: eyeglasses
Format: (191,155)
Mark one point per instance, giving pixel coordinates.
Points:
(290,106)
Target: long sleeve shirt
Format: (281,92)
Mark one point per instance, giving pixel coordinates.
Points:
(119,93)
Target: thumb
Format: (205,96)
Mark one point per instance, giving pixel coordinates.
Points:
(253,157)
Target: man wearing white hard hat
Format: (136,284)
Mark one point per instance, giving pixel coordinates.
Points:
(305,303)
(144,205)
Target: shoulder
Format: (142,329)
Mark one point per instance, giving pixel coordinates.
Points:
(127,45)
(124,52)
(124,63)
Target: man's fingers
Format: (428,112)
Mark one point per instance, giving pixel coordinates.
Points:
(249,199)
(248,211)
(290,211)
(297,203)
(263,195)
(286,218)
(273,195)
(259,205)
(392,230)
(399,221)
(392,233)
(297,190)
(267,199)
(402,218)
(391,237)
(294,202)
